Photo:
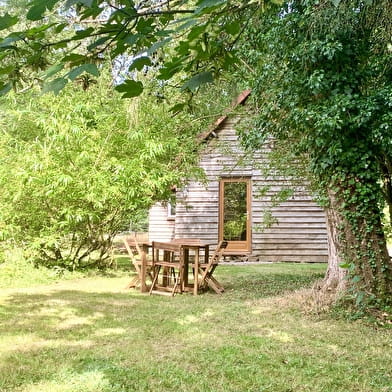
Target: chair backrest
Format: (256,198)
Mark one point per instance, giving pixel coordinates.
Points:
(133,248)
(218,252)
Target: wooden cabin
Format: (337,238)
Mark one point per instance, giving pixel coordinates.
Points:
(236,204)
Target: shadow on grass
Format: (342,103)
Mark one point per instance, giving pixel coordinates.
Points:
(243,283)
(76,340)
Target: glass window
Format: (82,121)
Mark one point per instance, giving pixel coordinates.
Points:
(235,210)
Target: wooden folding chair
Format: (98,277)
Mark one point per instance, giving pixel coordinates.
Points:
(135,254)
(206,270)
(169,269)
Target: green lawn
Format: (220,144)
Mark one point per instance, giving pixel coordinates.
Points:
(91,335)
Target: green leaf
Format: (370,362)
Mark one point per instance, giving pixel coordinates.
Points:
(54,86)
(6,42)
(131,39)
(139,63)
(356,279)
(89,68)
(50,4)
(130,89)
(336,2)
(36,12)
(7,21)
(37,30)
(5,88)
(59,28)
(86,3)
(153,48)
(81,34)
(74,59)
(198,80)
(206,5)
(60,45)
(196,32)
(164,33)
(189,23)
(53,70)
(39,7)
(170,69)
(233,28)
(6,70)
(97,43)
(177,108)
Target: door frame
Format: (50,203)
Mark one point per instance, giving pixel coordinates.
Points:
(236,247)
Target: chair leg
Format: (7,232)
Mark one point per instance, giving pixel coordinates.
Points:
(133,283)
(176,282)
(214,284)
(156,274)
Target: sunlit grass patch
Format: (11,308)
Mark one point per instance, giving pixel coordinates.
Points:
(90,381)
(93,335)
(18,272)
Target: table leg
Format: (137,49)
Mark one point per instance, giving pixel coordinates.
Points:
(196,273)
(206,254)
(143,269)
(185,269)
(165,278)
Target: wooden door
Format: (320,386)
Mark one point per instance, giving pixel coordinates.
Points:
(234,214)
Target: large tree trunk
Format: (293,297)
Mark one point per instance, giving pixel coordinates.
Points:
(361,245)
(335,276)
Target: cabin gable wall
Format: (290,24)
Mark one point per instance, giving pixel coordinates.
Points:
(297,231)
(160,226)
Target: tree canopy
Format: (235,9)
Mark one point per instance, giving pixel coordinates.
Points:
(323,83)
(56,41)
(74,172)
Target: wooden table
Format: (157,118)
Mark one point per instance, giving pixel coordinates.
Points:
(179,248)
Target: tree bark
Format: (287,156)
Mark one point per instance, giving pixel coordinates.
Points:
(335,276)
(361,245)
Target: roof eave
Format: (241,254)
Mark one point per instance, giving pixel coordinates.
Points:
(240,100)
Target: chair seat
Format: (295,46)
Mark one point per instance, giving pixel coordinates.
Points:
(203,265)
(149,263)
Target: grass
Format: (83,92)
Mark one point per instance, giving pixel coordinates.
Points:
(91,335)
(16,272)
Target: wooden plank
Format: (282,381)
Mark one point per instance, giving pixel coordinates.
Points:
(298,225)
(300,259)
(291,252)
(161,292)
(296,218)
(296,214)
(290,236)
(291,241)
(170,247)
(195,219)
(292,247)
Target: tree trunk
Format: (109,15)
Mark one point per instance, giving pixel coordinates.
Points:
(335,276)
(360,244)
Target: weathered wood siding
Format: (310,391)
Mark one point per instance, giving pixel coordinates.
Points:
(160,228)
(298,232)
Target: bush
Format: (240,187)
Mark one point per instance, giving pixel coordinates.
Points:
(76,169)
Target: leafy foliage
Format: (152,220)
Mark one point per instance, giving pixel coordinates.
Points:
(189,39)
(321,71)
(74,169)
(323,81)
